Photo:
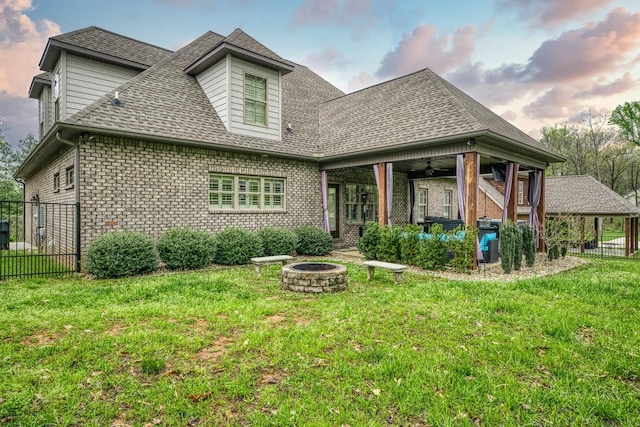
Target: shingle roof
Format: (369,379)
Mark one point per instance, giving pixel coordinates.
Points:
(165,102)
(241,39)
(418,107)
(584,195)
(105,42)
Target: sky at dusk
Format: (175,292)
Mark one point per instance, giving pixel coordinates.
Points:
(534,62)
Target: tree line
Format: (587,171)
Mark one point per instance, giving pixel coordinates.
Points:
(606,147)
(10,160)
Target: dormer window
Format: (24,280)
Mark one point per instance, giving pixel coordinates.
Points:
(255,100)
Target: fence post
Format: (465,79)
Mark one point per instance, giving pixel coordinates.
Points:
(77,237)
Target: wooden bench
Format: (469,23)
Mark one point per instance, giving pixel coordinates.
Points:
(396,269)
(260,261)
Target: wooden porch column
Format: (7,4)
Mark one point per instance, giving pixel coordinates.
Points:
(471,160)
(582,232)
(382,195)
(541,215)
(512,208)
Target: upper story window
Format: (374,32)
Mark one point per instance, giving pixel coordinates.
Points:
(56,182)
(70,175)
(255,100)
(56,85)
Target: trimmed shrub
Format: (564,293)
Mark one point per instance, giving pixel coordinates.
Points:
(184,248)
(507,242)
(432,251)
(368,243)
(278,241)
(237,246)
(120,254)
(517,249)
(389,249)
(313,240)
(462,249)
(529,245)
(410,244)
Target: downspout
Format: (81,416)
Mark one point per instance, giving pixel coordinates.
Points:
(76,185)
(76,166)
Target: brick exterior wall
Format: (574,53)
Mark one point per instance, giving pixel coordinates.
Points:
(493,210)
(54,232)
(435,195)
(151,187)
(349,232)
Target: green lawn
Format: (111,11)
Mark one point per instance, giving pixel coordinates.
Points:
(224,347)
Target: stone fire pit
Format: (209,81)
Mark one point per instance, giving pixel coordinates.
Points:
(314,277)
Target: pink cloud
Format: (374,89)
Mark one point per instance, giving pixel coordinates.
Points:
(313,12)
(554,104)
(361,81)
(620,85)
(326,59)
(551,13)
(423,48)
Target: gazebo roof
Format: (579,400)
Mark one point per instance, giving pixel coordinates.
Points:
(584,195)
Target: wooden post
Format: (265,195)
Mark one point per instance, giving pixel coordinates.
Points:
(512,208)
(471,160)
(596,221)
(582,230)
(541,215)
(627,236)
(382,195)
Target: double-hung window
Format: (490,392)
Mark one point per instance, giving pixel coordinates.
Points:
(232,192)
(361,203)
(421,204)
(446,211)
(70,175)
(255,100)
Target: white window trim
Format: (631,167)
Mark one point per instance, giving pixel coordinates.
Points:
(447,212)
(356,205)
(265,199)
(245,98)
(424,205)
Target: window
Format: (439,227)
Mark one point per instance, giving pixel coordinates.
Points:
(255,100)
(246,192)
(56,182)
(56,110)
(446,210)
(521,192)
(70,177)
(421,204)
(56,85)
(361,203)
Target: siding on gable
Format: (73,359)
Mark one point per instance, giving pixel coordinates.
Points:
(215,84)
(237,125)
(88,80)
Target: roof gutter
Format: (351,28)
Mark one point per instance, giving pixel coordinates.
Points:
(76,166)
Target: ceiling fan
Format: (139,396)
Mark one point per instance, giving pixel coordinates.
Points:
(428,170)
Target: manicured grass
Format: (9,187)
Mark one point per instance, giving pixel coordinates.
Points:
(18,262)
(227,348)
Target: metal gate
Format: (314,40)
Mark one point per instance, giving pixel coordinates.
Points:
(39,239)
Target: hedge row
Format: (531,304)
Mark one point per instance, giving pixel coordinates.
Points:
(127,253)
(408,245)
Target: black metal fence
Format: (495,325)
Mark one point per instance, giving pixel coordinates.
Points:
(611,238)
(39,239)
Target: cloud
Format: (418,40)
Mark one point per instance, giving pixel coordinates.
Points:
(20,115)
(315,12)
(552,105)
(325,60)
(361,81)
(21,44)
(550,14)
(424,48)
(620,85)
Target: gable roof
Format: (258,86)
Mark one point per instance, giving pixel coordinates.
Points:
(38,83)
(584,195)
(103,45)
(165,103)
(419,107)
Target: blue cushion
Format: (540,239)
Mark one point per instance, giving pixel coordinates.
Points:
(484,242)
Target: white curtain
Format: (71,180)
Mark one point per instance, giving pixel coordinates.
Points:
(507,191)
(535,191)
(325,202)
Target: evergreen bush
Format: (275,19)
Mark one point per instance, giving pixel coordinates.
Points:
(507,245)
(389,247)
(410,244)
(237,246)
(368,243)
(462,249)
(529,245)
(313,240)
(120,254)
(278,241)
(185,248)
(432,251)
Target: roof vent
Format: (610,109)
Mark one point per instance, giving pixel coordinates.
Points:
(116,100)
